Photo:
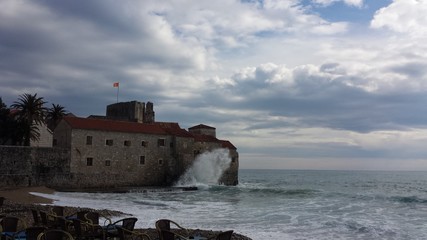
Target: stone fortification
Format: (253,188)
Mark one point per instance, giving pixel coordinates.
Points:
(126,148)
(33,166)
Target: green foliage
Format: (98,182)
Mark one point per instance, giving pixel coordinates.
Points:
(20,123)
(54,115)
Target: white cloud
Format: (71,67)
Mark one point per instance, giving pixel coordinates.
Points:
(355,3)
(403,16)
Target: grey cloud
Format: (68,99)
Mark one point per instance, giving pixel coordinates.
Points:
(411,70)
(319,100)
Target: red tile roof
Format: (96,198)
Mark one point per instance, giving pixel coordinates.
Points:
(114,126)
(208,138)
(204,138)
(174,129)
(158,128)
(201,126)
(227,144)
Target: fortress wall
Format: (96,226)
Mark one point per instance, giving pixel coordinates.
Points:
(32,166)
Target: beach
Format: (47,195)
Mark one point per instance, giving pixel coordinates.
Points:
(19,201)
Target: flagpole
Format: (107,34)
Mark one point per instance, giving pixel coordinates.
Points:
(118,87)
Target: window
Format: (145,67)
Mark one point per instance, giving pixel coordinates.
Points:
(109,142)
(142,160)
(160,162)
(144,143)
(88,140)
(107,163)
(233,159)
(127,143)
(89,161)
(161,142)
(55,142)
(171,144)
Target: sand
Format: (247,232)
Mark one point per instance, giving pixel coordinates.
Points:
(23,195)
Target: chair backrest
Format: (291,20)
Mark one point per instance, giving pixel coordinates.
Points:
(36,217)
(43,218)
(62,223)
(92,217)
(129,223)
(77,224)
(225,235)
(58,210)
(55,234)
(81,215)
(163,224)
(32,233)
(9,224)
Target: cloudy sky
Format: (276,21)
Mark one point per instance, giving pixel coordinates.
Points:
(294,84)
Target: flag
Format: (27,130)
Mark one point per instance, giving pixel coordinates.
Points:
(116,84)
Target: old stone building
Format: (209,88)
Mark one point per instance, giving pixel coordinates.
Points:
(128,147)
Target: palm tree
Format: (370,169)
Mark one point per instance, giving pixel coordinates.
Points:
(54,115)
(31,113)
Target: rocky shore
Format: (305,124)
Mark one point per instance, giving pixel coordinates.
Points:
(19,202)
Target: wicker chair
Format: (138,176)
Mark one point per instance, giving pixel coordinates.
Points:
(165,231)
(86,230)
(94,217)
(126,223)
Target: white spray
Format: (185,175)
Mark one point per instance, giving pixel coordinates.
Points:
(206,169)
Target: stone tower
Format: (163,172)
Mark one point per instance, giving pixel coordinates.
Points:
(149,115)
(133,111)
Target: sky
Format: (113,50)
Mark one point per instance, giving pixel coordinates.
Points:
(293,84)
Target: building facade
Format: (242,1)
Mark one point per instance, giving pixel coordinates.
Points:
(129,148)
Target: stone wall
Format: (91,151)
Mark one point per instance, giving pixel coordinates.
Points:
(32,166)
(137,158)
(231,175)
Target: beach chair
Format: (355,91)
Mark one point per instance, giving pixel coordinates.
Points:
(55,234)
(126,223)
(165,226)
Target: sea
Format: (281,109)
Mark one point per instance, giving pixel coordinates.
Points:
(282,204)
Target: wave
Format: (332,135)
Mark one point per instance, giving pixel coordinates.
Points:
(408,199)
(262,190)
(148,203)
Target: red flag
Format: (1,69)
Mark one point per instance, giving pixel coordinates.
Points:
(116,84)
